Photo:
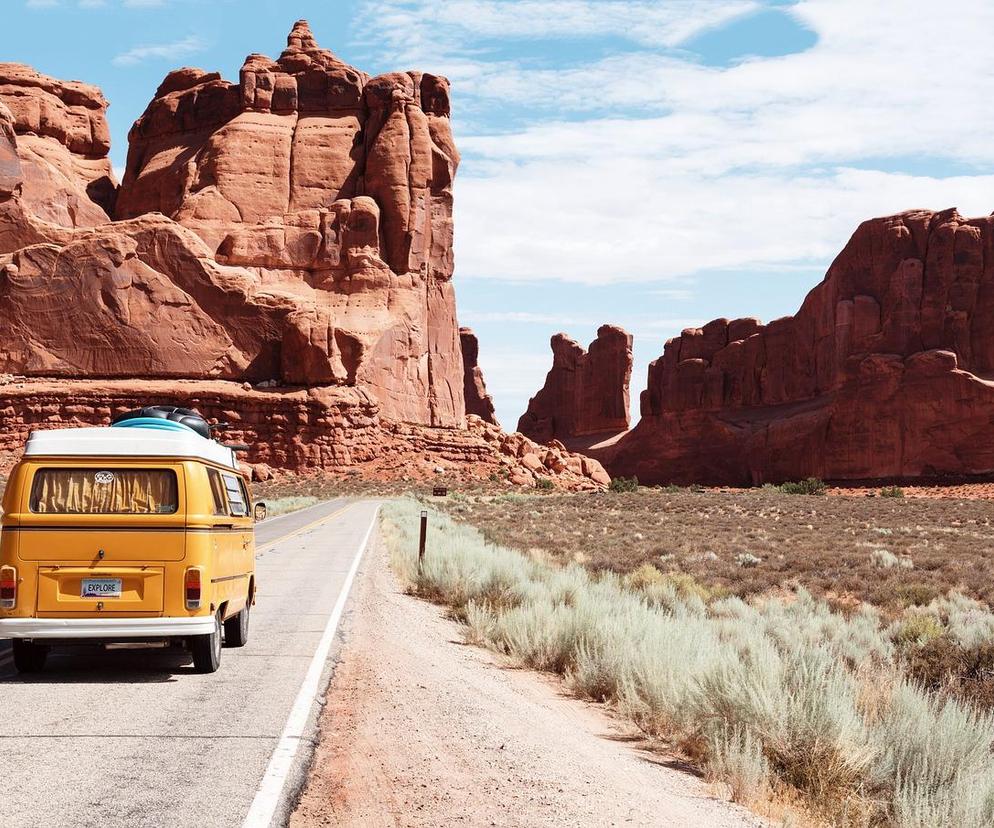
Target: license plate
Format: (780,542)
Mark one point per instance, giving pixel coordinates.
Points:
(101,588)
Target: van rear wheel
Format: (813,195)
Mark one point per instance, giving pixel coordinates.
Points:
(206,649)
(28,656)
(236,629)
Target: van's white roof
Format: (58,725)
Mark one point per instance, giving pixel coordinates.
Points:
(126,442)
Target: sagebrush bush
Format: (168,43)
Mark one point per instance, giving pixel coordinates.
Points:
(772,691)
(624,484)
(809,486)
(882,559)
(891,491)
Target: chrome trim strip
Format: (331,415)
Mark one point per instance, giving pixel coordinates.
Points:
(105,627)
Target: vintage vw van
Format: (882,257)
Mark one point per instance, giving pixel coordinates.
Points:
(139,532)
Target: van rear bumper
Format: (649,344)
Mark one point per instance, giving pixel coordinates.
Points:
(105,627)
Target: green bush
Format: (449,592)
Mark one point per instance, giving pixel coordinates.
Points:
(810,486)
(624,484)
(892,491)
(544,484)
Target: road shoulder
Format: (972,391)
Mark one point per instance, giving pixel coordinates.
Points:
(420,729)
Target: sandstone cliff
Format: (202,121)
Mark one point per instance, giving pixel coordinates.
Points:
(278,255)
(885,371)
(585,392)
(294,227)
(478,401)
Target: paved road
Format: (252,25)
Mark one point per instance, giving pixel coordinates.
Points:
(135,738)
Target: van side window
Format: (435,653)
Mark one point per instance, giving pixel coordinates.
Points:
(217,490)
(236,495)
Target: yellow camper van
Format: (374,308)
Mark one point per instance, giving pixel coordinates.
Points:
(139,532)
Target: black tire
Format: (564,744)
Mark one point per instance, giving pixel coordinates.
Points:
(206,649)
(186,416)
(236,629)
(28,656)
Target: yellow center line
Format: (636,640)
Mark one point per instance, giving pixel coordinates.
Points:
(306,528)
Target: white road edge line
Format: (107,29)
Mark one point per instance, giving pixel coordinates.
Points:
(267,797)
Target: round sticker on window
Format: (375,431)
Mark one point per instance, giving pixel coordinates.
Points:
(103,477)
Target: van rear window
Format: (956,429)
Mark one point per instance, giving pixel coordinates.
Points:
(95,491)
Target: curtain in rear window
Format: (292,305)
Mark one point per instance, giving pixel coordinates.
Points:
(105,491)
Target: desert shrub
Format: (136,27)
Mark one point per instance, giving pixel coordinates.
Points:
(746,560)
(771,692)
(918,594)
(660,587)
(917,629)
(809,486)
(624,484)
(735,756)
(891,491)
(882,559)
(544,484)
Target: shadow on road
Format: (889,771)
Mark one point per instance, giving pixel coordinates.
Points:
(94,665)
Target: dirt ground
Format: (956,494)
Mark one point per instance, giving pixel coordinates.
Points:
(422,730)
(889,551)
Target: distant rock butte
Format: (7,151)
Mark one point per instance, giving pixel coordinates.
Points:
(585,392)
(287,234)
(887,370)
(478,401)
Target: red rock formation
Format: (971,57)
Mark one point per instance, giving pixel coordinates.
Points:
(885,371)
(333,428)
(306,235)
(54,170)
(334,191)
(478,401)
(293,231)
(585,392)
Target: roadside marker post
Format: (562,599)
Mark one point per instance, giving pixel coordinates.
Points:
(424,537)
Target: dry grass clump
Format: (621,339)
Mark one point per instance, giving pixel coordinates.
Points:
(769,694)
(284,505)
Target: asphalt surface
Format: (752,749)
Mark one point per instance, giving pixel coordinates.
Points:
(136,738)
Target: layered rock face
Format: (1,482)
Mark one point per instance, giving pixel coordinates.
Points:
(585,392)
(294,228)
(884,372)
(478,401)
(279,256)
(333,191)
(54,172)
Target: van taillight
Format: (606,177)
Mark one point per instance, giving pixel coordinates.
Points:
(192,586)
(8,587)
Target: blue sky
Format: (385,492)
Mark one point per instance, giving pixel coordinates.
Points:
(650,164)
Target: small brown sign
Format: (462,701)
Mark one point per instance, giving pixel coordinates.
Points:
(440,491)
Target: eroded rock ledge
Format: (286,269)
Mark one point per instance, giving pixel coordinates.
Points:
(884,372)
(585,392)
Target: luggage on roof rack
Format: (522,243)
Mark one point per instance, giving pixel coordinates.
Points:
(183,416)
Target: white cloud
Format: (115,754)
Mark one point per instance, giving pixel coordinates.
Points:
(177,50)
(768,163)
(611,220)
(436,27)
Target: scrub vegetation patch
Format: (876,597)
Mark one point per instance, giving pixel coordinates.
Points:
(779,695)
